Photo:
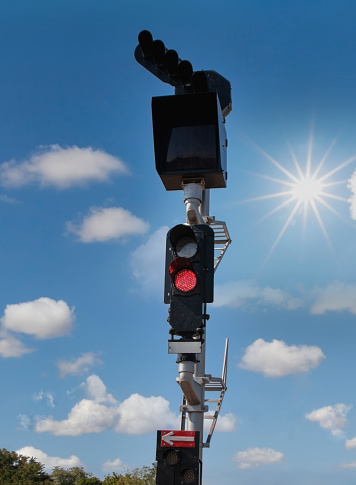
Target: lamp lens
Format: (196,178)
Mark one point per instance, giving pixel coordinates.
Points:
(186,247)
(185,280)
(188,475)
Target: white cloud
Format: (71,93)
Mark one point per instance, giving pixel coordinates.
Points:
(43,318)
(337,296)
(104,224)
(49,461)
(38,396)
(114,465)
(239,293)
(25,422)
(50,400)
(255,457)
(225,424)
(44,395)
(85,417)
(352,186)
(61,167)
(96,389)
(350,444)
(148,260)
(135,415)
(77,366)
(139,414)
(352,464)
(332,418)
(277,359)
(12,347)
(7,199)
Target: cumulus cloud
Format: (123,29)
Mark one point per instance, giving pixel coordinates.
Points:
(337,296)
(85,417)
(352,464)
(25,422)
(96,389)
(61,167)
(135,415)
(139,414)
(107,223)
(42,395)
(332,418)
(113,466)
(277,359)
(43,318)
(236,294)
(88,416)
(49,461)
(352,186)
(147,262)
(255,457)
(12,347)
(77,366)
(7,199)
(350,444)
(225,424)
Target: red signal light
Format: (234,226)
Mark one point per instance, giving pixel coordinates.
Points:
(185,280)
(182,274)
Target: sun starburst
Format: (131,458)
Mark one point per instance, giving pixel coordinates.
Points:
(303,189)
(307,189)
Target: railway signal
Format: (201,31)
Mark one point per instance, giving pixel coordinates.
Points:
(189,276)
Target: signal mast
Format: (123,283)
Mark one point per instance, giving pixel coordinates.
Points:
(190,145)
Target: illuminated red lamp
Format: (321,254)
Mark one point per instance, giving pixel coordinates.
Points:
(185,280)
(182,274)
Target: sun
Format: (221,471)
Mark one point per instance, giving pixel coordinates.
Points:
(307,190)
(303,190)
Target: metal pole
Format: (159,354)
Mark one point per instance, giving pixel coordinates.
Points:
(196,418)
(205,203)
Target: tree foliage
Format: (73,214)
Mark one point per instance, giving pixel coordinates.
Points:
(73,476)
(138,476)
(90,481)
(20,470)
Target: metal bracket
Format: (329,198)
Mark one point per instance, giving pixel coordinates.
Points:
(216,384)
(222,238)
(186,408)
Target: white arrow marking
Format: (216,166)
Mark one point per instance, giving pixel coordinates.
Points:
(169,438)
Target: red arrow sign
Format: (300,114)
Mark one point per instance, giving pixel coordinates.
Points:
(175,438)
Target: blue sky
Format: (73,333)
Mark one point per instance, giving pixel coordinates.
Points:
(86,378)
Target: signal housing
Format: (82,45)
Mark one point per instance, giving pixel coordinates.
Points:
(178,465)
(190,140)
(196,243)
